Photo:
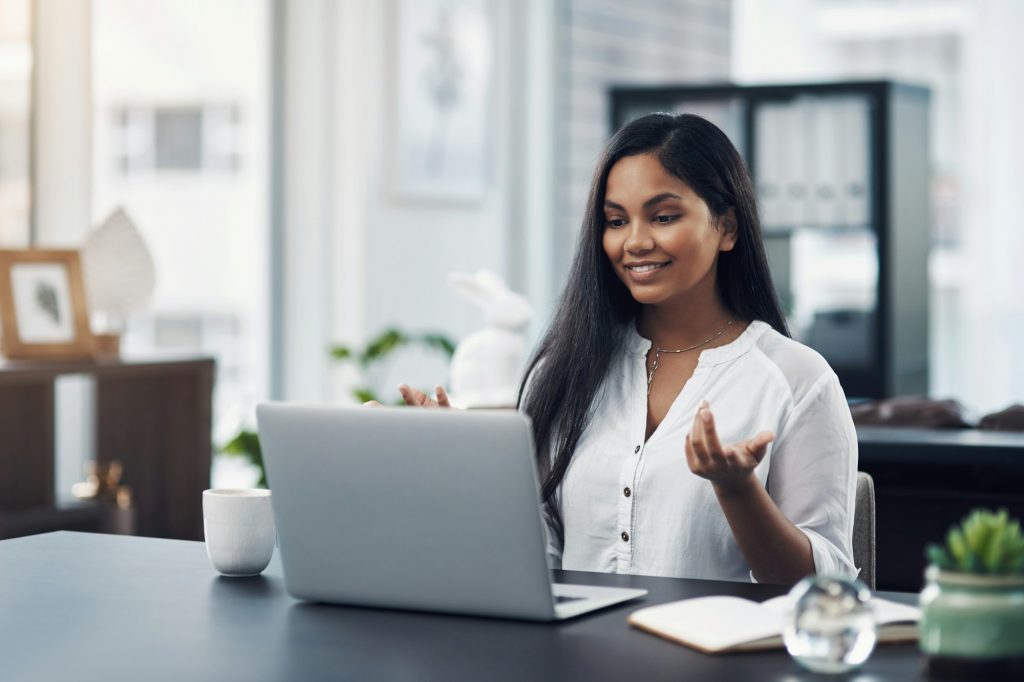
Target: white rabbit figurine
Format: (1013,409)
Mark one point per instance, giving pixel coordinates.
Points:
(486,367)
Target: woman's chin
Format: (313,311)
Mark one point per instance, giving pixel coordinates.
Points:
(647,295)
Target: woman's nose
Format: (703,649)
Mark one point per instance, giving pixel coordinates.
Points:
(639,238)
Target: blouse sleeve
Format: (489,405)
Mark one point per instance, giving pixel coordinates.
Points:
(813,474)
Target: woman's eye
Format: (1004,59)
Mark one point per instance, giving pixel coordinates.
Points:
(665,219)
(614,222)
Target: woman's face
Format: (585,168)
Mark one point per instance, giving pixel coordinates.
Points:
(659,235)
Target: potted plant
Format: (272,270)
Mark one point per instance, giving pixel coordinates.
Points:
(972,607)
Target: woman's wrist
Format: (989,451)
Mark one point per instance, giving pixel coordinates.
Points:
(741,487)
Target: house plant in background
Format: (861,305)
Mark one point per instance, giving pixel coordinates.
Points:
(972,620)
(378,351)
(119,278)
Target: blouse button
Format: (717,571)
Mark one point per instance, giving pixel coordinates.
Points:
(625,536)
(636,449)
(626,492)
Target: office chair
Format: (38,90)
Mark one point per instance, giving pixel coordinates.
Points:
(864,529)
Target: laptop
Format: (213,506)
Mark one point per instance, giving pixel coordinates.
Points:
(427,510)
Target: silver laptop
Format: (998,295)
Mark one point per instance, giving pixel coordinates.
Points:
(431,510)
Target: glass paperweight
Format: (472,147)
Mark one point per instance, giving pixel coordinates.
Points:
(831,627)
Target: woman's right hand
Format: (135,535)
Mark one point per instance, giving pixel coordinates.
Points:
(415,398)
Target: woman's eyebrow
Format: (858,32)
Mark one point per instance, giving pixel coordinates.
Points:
(647,204)
(660,198)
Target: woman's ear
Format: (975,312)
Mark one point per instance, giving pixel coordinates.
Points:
(730,231)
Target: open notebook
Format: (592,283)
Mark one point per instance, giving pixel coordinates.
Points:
(724,624)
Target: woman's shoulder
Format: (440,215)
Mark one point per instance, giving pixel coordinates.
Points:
(800,366)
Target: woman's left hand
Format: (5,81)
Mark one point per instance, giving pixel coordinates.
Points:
(728,467)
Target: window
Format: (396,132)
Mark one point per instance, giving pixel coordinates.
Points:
(176,139)
(181,142)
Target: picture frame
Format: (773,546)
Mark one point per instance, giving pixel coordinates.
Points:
(442,108)
(43,309)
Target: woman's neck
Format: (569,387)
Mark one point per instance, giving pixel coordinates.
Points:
(680,325)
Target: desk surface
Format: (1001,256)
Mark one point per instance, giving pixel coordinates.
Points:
(940,446)
(95,607)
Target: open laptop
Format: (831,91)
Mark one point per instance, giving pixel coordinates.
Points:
(431,510)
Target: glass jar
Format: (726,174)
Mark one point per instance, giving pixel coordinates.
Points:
(831,627)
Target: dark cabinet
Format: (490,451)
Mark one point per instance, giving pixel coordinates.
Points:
(154,416)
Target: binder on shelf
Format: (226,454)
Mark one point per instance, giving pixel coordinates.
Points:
(855,186)
(768,161)
(793,133)
(826,141)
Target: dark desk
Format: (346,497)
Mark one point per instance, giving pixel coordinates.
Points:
(884,445)
(93,607)
(928,479)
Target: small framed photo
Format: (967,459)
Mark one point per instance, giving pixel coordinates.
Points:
(42,305)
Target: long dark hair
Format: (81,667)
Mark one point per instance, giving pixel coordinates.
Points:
(570,364)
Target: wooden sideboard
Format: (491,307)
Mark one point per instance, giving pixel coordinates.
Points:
(154,415)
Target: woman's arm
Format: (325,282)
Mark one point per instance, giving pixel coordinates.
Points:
(777,551)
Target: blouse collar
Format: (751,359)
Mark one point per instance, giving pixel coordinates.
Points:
(638,345)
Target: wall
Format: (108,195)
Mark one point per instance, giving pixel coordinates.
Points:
(356,258)
(62,141)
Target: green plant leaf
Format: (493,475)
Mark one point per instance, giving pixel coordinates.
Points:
(441,343)
(938,556)
(247,444)
(341,352)
(956,544)
(363,394)
(985,542)
(382,346)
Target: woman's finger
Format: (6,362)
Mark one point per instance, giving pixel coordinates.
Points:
(696,442)
(731,458)
(757,446)
(692,460)
(442,397)
(707,420)
(415,398)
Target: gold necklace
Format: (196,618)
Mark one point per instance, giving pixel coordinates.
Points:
(659,351)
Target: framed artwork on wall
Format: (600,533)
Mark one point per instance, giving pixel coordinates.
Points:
(442,100)
(42,305)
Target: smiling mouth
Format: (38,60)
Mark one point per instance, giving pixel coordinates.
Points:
(647,268)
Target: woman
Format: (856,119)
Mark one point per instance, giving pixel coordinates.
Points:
(680,431)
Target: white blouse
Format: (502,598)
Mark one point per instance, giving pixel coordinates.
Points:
(635,507)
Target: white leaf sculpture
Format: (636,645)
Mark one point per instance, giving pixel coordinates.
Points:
(117,267)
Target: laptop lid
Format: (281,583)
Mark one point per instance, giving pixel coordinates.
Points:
(407,508)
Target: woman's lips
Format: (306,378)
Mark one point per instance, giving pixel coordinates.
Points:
(645,273)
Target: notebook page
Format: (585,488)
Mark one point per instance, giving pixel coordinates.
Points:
(885,611)
(710,623)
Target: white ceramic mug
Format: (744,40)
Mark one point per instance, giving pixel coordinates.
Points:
(239,529)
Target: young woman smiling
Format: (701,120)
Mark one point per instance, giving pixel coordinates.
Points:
(680,431)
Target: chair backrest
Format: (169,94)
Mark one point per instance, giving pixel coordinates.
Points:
(864,529)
